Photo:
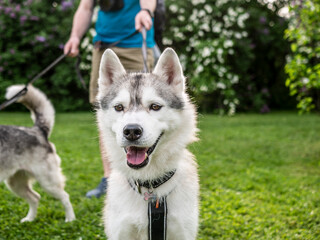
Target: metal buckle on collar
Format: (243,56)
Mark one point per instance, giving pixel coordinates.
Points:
(138,186)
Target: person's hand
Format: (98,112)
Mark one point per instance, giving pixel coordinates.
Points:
(143,19)
(72,47)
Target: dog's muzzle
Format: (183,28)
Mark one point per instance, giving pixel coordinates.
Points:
(138,157)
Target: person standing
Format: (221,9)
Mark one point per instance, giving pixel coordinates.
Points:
(117,21)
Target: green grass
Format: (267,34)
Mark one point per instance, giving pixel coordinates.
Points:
(259,176)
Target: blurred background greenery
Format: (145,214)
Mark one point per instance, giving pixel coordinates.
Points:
(238,55)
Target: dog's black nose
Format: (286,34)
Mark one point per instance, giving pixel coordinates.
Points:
(132,132)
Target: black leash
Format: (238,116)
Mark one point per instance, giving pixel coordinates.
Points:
(144,50)
(25,89)
(39,75)
(44,71)
(77,67)
(157,215)
(14,98)
(98,44)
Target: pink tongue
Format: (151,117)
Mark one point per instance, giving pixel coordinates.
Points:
(136,155)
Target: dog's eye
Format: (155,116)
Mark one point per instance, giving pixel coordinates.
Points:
(118,108)
(155,107)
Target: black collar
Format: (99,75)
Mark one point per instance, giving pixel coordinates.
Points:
(155,182)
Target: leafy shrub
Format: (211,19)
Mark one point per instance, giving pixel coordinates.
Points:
(303,66)
(233,52)
(32,36)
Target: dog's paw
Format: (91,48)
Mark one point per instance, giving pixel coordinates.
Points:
(27,219)
(70,218)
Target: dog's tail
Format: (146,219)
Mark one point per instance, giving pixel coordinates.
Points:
(42,111)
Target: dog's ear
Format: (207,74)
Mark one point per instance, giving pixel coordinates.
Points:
(110,68)
(169,69)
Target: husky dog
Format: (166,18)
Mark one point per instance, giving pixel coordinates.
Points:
(26,154)
(146,121)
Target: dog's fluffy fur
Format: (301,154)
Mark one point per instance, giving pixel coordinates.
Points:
(157,105)
(26,154)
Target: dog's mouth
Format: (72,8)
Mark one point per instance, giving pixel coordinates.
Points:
(138,157)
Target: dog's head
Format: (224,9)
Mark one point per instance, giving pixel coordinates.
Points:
(144,115)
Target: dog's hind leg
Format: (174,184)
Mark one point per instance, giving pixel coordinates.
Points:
(21,184)
(59,193)
(52,182)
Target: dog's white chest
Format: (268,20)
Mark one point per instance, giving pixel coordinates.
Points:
(125,214)
(127,217)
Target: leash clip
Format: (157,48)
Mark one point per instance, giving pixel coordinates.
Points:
(138,186)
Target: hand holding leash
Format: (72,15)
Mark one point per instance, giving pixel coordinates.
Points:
(71,48)
(143,19)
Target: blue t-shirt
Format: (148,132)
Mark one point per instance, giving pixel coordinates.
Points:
(116,25)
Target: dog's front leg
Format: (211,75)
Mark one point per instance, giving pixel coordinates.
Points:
(178,230)
(123,226)
(126,231)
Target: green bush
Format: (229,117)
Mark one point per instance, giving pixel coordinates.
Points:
(303,65)
(233,52)
(32,36)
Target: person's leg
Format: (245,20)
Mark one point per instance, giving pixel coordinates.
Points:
(102,186)
(132,59)
(156,53)
(96,59)
(105,162)
(95,64)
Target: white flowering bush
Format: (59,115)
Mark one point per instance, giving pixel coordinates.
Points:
(217,41)
(209,31)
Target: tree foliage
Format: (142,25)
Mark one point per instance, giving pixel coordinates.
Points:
(303,65)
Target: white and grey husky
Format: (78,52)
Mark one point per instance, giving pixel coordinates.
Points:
(26,154)
(147,121)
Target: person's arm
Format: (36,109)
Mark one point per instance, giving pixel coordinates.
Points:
(143,18)
(81,23)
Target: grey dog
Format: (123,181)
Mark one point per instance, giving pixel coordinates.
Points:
(27,155)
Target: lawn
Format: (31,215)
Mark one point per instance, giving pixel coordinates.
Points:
(259,176)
